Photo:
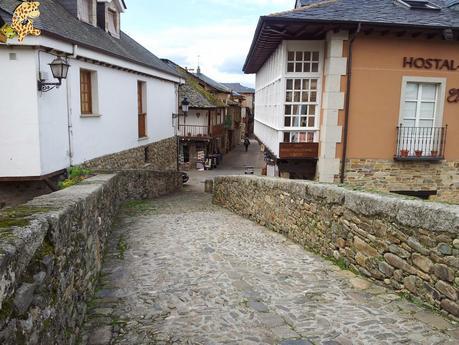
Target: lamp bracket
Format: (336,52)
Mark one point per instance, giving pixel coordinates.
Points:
(45,87)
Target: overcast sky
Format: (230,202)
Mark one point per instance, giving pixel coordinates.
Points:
(220,31)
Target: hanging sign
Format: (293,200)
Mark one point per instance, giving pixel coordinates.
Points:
(22,22)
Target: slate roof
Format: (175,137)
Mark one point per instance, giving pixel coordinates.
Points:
(198,97)
(239,88)
(55,21)
(373,11)
(347,13)
(216,85)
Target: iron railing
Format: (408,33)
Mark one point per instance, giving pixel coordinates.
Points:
(193,131)
(421,143)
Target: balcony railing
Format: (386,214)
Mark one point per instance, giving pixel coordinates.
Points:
(421,143)
(192,131)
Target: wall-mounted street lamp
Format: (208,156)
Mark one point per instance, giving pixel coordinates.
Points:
(185,106)
(59,68)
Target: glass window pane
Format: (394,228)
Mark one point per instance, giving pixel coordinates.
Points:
(429,92)
(313,97)
(427,110)
(410,110)
(299,56)
(304,110)
(290,67)
(409,123)
(307,67)
(315,67)
(288,97)
(307,56)
(296,109)
(426,123)
(297,97)
(286,137)
(312,110)
(294,138)
(315,56)
(298,67)
(295,121)
(411,91)
(305,84)
(288,110)
(291,56)
(304,122)
(287,121)
(302,137)
(311,121)
(289,84)
(297,84)
(310,137)
(304,96)
(313,84)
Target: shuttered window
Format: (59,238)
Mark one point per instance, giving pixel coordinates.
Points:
(141,109)
(86,92)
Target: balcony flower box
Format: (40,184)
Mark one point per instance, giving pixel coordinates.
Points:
(418,153)
(404,153)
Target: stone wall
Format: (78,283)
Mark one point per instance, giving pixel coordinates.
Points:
(159,156)
(406,176)
(408,245)
(51,251)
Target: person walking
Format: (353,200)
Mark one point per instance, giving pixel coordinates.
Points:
(246,144)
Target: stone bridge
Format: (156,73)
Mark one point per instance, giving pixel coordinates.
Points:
(180,270)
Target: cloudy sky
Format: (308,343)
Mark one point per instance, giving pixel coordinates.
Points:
(219,31)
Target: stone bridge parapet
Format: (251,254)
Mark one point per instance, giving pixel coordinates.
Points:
(409,245)
(51,252)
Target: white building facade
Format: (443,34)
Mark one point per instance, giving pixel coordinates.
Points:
(110,101)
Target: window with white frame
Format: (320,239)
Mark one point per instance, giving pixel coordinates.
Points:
(303,61)
(421,116)
(421,104)
(86,11)
(299,137)
(301,103)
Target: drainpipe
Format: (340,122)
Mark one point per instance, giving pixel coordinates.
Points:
(69,111)
(347,104)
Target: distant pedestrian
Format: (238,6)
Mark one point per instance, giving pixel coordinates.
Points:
(246,144)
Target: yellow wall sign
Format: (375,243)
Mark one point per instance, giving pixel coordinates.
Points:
(22,23)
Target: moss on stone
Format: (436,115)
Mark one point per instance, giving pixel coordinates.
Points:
(19,216)
(7,309)
(210,97)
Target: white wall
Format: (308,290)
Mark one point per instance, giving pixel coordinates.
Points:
(19,134)
(34,139)
(114,127)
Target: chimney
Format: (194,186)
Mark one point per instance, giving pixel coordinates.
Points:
(199,70)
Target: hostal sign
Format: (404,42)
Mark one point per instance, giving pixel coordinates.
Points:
(435,64)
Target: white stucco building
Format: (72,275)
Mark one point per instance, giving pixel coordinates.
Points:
(117,95)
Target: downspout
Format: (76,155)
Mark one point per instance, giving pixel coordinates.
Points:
(69,111)
(347,104)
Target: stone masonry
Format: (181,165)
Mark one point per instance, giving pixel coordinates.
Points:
(51,252)
(159,156)
(409,245)
(388,176)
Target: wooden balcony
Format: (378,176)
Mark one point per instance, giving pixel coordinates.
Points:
(420,143)
(218,131)
(299,151)
(195,132)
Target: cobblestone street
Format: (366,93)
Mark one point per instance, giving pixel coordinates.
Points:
(181,271)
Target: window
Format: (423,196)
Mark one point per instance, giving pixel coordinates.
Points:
(421,104)
(420,4)
(303,62)
(299,137)
(86,96)
(113,22)
(141,106)
(301,103)
(86,11)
